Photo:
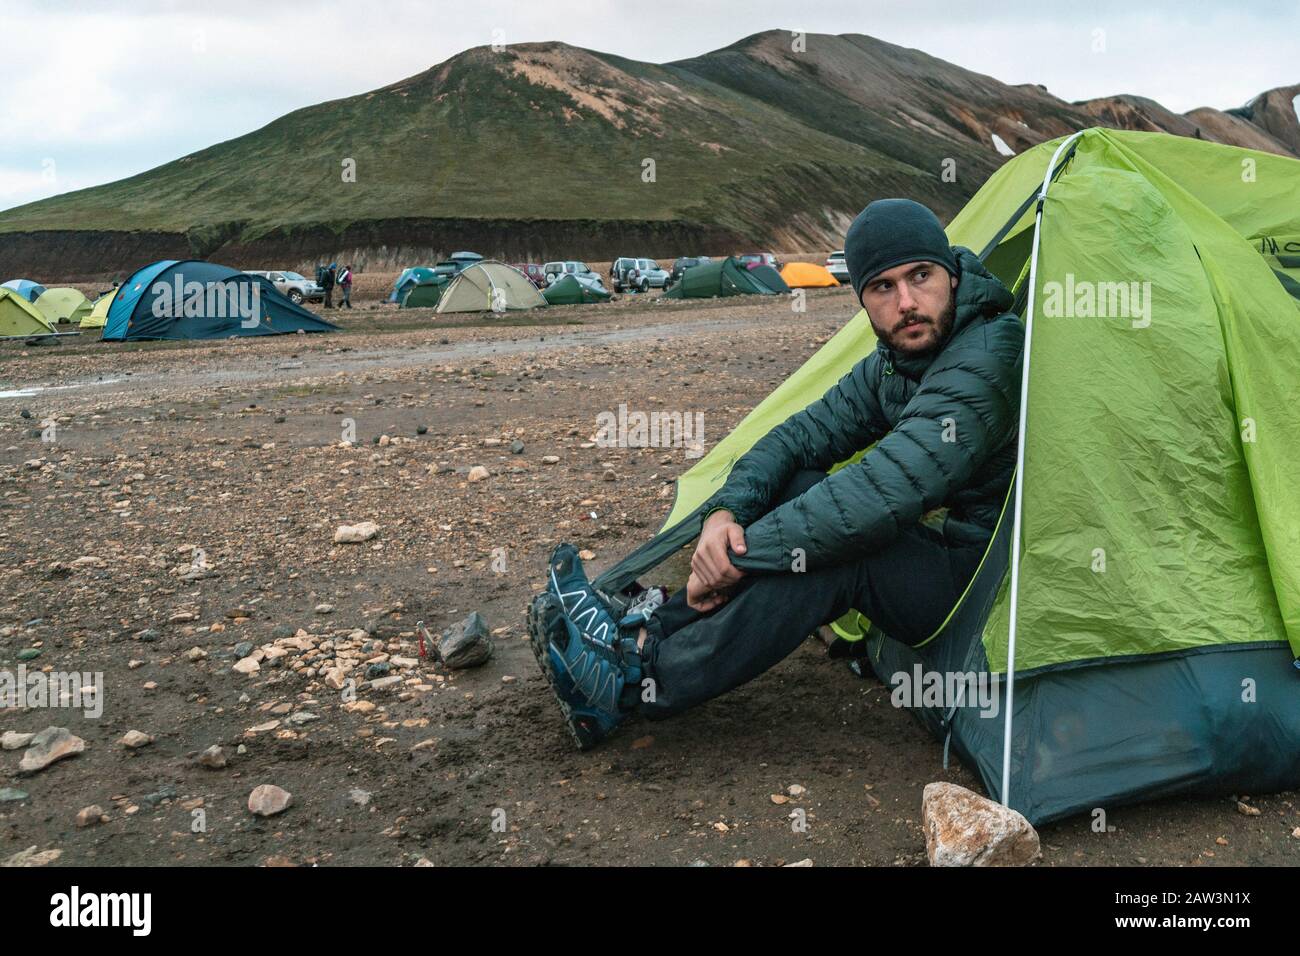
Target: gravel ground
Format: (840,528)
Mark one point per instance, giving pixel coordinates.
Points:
(188,505)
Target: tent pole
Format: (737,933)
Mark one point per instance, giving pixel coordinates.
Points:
(1020,475)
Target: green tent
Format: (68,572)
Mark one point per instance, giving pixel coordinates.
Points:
(98,313)
(569,291)
(490,286)
(769,277)
(725,277)
(1157,582)
(18,317)
(63,305)
(425,294)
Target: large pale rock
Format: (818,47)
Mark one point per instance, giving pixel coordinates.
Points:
(268,800)
(355,533)
(964,829)
(51,744)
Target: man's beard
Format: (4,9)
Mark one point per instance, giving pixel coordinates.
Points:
(943,326)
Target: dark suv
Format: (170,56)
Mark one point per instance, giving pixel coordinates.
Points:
(681,265)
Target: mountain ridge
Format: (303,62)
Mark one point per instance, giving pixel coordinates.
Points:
(541,150)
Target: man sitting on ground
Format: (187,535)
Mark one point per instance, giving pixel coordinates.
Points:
(785,547)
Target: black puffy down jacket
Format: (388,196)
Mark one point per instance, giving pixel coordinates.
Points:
(946,427)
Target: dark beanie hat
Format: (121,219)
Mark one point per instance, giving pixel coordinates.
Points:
(890,232)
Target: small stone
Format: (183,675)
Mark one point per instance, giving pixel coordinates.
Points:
(214,758)
(383,682)
(8,794)
(358,796)
(12,740)
(478,473)
(243,649)
(91,815)
(324,609)
(28,654)
(247,665)
(586,554)
(516,447)
(1246,809)
(195,654)
(135,739)
(51,744)
(267,800)
(550,459)
(964,829)
(355,534)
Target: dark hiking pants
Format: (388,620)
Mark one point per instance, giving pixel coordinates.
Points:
(906,589)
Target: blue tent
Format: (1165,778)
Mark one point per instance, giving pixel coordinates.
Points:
(408,280)
(191,299)
(29,290)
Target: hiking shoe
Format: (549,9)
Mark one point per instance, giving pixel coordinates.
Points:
(567,580)
(587,677)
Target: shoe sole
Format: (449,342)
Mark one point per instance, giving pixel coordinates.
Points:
(541,645)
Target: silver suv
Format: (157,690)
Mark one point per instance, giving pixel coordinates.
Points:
(292,286)
(637,275)
(555,271)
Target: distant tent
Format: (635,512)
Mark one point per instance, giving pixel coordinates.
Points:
(569,291)
(191,299)
(18,317)
(724,277)
(29,290)
(424,295)
(490,286)
(63,305)
(408,279)
(807,275)
(769,277)
(99,311)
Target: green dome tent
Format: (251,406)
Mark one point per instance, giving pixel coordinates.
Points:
(490,286)
(63,305)
(18,317)
(569,291)
(425,294)
(724,277)
(1156,586)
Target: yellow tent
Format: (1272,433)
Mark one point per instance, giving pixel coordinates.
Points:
(806,275)
(98,315)
(18,317)
(62,305)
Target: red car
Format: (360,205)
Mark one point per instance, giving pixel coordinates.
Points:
(533,271)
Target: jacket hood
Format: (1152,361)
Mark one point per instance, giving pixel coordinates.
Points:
(980,295)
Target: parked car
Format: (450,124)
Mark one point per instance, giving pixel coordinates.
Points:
(533,271)
(759,259)
(638,275)
(680,265)
(554,271)
(835,266)
(291,285)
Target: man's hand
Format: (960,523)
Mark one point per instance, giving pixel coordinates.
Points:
(701,598)
(711,564)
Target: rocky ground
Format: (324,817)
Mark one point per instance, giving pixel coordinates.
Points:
(178,536)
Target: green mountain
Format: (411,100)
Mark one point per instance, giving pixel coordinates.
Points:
(545,150)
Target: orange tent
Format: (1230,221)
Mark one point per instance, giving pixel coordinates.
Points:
(806,275)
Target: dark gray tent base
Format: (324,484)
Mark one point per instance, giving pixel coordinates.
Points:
(1099,736)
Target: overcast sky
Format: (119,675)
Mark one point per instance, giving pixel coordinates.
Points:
(93,91)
